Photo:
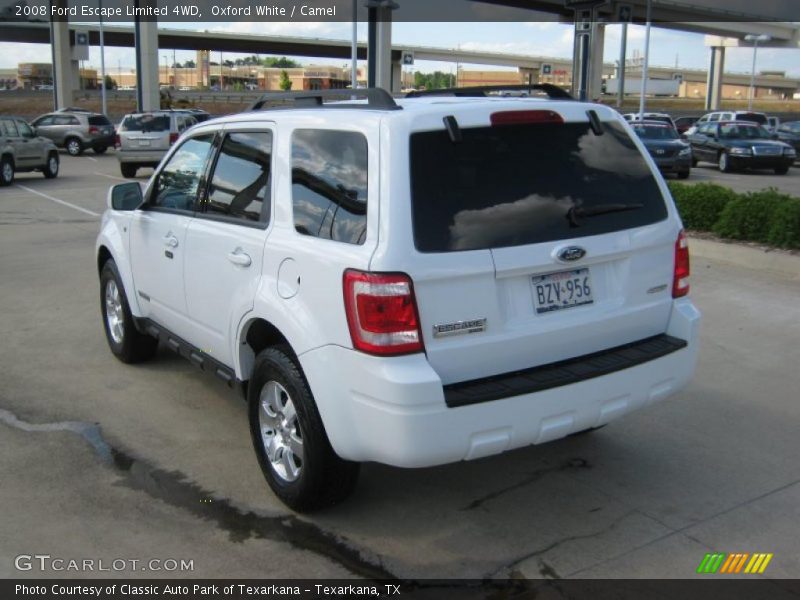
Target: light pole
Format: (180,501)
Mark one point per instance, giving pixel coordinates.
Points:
(751,37)
(645,64)
(104,109)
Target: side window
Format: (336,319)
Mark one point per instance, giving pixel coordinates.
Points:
(329,184)
(240,185)
(24,129)
(9,128)
(702,119)
(179,180)
(43,122)
(714,117)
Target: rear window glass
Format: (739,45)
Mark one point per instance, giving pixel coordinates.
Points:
(655,132)
(524,184)
(752,118)
(99,120)
(329,184)
(145,123)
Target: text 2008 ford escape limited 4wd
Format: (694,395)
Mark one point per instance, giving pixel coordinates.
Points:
(414,283)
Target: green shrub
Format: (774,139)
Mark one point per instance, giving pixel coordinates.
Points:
(784,230)
(700,205)
(751,216)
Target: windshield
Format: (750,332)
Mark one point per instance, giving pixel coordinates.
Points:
(524,184)
(655,132)
(145,123)
(731,131)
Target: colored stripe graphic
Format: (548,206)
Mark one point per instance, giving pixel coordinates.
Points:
(736,562)
(711,562)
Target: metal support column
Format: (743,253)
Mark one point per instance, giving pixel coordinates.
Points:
(714,83)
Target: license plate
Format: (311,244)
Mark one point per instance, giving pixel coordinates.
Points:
(566,289)
(144,142)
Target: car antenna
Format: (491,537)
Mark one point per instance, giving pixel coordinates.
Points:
(453,130)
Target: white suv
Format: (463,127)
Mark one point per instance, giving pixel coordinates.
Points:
(413,283)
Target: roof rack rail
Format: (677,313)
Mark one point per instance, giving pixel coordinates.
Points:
(377,99)
(552,91)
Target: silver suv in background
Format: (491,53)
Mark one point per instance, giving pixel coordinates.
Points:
(144,138)
(76,130)
(22,150)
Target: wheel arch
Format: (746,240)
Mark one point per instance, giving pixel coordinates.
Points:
(256,334)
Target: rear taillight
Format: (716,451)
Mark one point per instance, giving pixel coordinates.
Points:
(521,117)
(680,278)
(93,130)
(117,141)
(173,137)
(382,313)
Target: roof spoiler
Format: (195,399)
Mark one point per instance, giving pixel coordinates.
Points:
(551,91)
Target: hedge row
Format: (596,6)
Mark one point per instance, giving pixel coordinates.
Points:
(768,216)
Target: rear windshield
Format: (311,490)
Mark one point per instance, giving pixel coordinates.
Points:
(655,132)
(524,184)
(145,123)
(99,120)
(752,118)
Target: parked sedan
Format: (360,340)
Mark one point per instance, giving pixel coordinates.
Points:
(668,151)
(736,145)
(790,133)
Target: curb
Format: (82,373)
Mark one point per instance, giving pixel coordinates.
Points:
(745,256)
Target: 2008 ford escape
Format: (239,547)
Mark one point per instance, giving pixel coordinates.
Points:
(414,282)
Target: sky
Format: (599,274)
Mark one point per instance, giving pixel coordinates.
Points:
(667,47)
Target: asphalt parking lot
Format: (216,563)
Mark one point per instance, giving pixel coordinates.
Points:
(747,181)
(107,461)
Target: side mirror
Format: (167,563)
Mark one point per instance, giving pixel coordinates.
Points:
(125,196)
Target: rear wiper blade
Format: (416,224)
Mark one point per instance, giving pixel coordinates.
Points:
(574,213)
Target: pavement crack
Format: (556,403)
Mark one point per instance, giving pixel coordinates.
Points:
(572,463)
(175,489)
(511,566)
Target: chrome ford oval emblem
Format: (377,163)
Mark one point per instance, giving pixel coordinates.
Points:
(571,253)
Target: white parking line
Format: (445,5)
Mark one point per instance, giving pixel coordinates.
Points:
(57,201)
(110,176)
(90,158)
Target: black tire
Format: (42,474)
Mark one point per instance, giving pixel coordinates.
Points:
(694,162)
(6,171)
(781,170)
(74,146)
(128,170)
(100,149)
(683,174)
(51,167)
(127,343)
(323,479)
(724,163)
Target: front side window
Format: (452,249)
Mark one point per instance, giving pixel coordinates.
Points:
(241,181)
(24,129)
(43,122)
(329,184)
(65,120)
(177,184)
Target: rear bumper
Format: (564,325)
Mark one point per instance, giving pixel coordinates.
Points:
(101,141)
(394,411)
(149,157)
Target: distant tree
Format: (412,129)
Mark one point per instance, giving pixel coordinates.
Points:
(280,63)
(189,64)
(110,84)
(228,63)
(285,83)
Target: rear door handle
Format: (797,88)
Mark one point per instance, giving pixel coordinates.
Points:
(170,240)
(239,257)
